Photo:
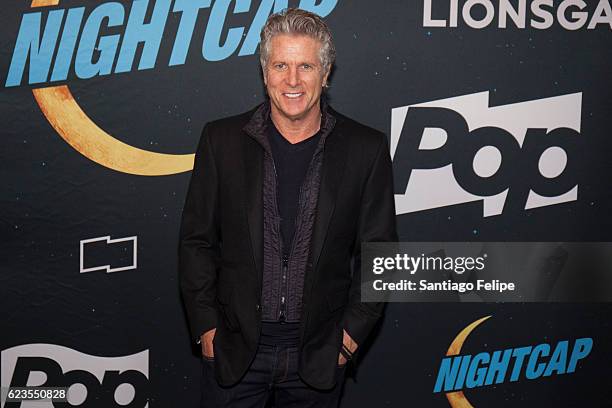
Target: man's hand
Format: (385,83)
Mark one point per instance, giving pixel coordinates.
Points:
(207,343)
(349,343)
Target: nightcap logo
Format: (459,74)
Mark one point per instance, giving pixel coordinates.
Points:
(59,38)
(461,150)
(570,14)
(458,372)
(92,381)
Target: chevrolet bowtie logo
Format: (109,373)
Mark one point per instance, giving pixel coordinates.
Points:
(97,252)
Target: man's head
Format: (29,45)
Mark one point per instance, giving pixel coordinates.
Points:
(296,55)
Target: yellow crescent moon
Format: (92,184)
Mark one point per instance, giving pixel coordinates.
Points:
(75,127)
(457,399)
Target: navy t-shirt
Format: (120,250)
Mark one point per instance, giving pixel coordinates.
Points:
(291,162)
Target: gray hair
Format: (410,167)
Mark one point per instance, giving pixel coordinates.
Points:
(295,21)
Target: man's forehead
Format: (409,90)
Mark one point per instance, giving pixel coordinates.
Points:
(294,43)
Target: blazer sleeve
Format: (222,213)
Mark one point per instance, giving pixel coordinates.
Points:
(376,224)
(199,241)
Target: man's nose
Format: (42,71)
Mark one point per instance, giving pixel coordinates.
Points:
(292,77)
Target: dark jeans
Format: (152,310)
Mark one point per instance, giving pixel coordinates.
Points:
(273,372)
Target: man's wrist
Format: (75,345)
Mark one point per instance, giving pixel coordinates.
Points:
(346,352)
(203,336)
(348,342)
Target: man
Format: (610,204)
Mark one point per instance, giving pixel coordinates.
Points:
(280,199)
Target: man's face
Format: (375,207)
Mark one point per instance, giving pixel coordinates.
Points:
(294,76)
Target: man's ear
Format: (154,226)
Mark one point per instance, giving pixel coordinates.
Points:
(325,77)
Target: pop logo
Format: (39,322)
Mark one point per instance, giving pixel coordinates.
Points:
(460,150)
(92,381)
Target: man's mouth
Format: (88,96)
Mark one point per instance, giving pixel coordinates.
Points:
(293,95)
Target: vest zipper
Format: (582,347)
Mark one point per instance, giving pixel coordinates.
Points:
(285,259)
(283,304)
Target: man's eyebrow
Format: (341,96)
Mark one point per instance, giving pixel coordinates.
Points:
(308,62)
(276,61)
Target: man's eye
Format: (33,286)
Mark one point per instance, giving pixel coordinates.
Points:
(307,67)
(279,66)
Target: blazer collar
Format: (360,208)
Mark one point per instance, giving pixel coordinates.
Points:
(256,126)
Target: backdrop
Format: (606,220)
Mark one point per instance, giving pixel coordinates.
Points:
(498,117)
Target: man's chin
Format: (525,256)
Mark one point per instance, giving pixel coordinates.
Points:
(294,114)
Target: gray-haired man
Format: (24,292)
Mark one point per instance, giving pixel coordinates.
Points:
(280,199)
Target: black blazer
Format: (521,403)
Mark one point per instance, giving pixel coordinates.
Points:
(221,249)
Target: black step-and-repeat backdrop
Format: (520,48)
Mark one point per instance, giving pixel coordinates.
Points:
(498,117)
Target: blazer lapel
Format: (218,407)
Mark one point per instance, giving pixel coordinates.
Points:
(253,178)
(334,159)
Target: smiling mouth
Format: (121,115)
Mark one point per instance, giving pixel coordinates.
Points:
(293,95)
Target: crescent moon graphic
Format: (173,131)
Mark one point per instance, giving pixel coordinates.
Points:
(75,127)
(457,399)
